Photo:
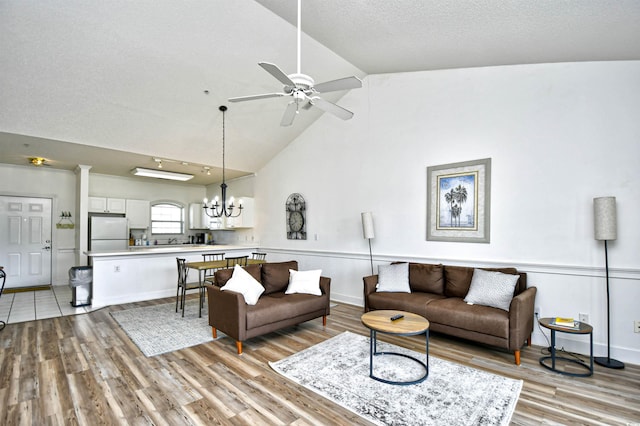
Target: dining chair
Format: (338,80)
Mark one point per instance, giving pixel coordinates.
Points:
(3,277)
(237,260)
(258,256)
(209,274)
(184,285)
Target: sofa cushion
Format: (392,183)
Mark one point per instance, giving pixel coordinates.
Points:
(393,278)
(223,275)
(457,280)
(242,282)
(305,282)
(491,288)
(426,278)
(454,312)
(280,307)
(409,302)
(275,276)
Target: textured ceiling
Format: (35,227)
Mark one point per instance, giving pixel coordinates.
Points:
(115,84)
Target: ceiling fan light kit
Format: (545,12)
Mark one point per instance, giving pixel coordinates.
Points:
(303,90)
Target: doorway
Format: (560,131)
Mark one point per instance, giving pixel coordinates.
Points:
(25,240)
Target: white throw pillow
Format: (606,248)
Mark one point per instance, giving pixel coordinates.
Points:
(393,278)
(306,282)
(242,282)
(490,288)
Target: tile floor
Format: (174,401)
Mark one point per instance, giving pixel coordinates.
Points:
(33,305)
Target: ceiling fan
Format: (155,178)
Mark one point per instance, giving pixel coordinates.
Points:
(303,89)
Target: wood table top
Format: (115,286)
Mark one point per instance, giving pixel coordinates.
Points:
(583,327)
(381,321)
(218,264)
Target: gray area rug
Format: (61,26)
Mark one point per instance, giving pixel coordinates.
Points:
(453,394)
(159,329)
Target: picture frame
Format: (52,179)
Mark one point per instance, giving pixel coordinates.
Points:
(459,202)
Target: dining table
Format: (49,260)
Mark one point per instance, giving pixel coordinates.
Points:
(204,266)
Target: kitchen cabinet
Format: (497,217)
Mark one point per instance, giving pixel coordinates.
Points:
(138,213)
(245,220)
(197,217)
(107,205)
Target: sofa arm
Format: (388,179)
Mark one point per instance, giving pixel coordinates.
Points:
(521,318)
(325,286)
(227,312)
(370,283)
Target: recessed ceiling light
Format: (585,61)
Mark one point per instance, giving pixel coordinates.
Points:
(161,174)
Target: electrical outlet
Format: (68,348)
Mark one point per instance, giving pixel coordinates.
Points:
(636,326)
(116,268)
(537,311)
(583,318)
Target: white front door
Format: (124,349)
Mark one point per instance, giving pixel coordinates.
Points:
(25,240)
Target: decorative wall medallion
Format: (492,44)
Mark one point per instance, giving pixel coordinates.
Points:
(296,217)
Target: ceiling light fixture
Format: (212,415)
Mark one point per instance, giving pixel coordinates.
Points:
(37,161)
(214,209)
(161,174)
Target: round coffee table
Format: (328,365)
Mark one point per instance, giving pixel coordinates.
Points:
(409,325)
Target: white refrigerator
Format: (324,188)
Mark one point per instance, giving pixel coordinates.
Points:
(108,233)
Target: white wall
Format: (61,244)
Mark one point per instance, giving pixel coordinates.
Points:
(558,136)
(59,185)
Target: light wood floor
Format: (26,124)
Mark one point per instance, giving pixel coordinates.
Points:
(84,370)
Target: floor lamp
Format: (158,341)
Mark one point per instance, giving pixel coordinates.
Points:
(367,232)
(605,229)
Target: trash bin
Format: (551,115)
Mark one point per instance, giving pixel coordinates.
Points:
(80,281)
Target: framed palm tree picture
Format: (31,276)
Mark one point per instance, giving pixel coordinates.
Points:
(458,201)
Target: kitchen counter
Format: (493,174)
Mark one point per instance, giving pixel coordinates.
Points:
(146,272)
(173,248)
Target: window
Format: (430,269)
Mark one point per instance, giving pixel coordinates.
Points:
(167,218)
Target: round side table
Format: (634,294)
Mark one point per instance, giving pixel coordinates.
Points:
(583,328)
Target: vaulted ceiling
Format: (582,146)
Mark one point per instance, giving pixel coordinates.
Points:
(116,84)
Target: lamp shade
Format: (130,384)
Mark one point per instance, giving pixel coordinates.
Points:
(604,218)
(367,225)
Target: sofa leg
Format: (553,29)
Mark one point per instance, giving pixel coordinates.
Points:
(324,320)
(517,354)
(529,341)
(214,332)
(239,346)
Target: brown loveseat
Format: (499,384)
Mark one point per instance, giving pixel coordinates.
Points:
(438,292)
(274,310)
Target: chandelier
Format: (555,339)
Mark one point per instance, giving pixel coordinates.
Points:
(215,209)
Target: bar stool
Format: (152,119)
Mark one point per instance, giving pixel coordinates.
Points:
(237,260)
(258,256)
(184,285)
(209,274)
(3,277)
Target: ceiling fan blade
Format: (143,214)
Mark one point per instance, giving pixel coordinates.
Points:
(289,114)
(339,84)
(277,73)
(254,97)
(334,109)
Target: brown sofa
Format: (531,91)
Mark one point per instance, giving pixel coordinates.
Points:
(274,310)
(437,293)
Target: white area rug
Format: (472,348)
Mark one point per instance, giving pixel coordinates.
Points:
(453,394)
(159,329)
